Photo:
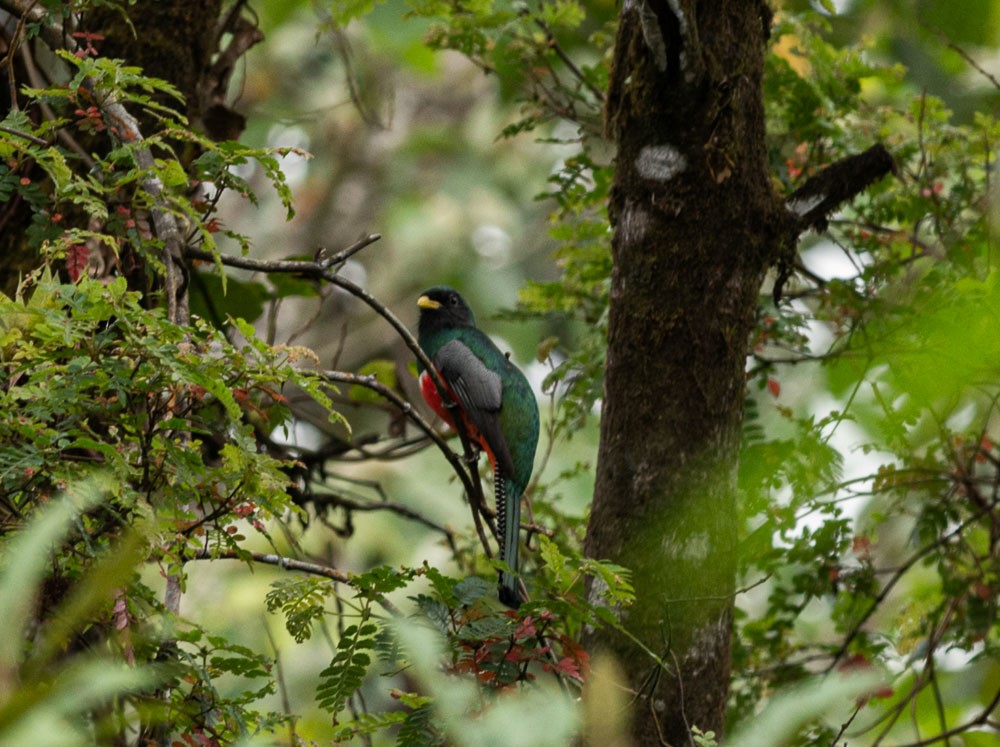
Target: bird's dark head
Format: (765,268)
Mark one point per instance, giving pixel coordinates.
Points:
(442,307)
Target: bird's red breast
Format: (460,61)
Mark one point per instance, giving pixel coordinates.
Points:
(432,396)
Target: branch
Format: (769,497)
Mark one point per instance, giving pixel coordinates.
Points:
(242,36)
(31,11)
(294,565)
(809,205)
(824,192)
(553,43)
(24,136)
(983,719)
(469,478)
(897,576)
(958,50)
(321,269)
(351,504)
(126,128)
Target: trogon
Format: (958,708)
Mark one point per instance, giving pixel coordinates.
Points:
(494,401)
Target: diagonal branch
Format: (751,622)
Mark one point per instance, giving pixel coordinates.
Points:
(824,192)
(811,204)
(126,128)
(322,269)
(293,564)
(469,477)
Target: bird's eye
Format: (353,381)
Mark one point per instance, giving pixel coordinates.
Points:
(453,299)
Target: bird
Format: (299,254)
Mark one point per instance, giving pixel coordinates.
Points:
(496,405)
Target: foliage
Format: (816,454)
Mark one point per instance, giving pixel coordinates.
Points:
(158,421)
(101,392)
(43,708)
(554,61)
(876,548)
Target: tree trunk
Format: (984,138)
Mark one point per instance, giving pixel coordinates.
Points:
(695,228)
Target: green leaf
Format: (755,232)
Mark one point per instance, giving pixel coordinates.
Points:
(243,299)
(347,671)
(344,11)
(19,581)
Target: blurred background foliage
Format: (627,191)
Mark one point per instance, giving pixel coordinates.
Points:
(869,469)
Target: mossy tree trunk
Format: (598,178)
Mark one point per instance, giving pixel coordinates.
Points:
(695,228)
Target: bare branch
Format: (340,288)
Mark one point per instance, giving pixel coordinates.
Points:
(958,50)
(553,43)
(469,477)
(810,205)
(293,564)
(351,504)
(876,603)
(24,136)
(371,382)
(126,129)
(824,192)
(31,11)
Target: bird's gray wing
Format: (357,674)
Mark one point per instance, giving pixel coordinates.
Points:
(479,391)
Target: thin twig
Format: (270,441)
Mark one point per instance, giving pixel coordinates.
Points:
(351,504)
(126,128)
(35,77)
(25,136)
(891,583)
(279,677)
(469,477)
(555,46)
(981,720)
(292,564)
(961,52)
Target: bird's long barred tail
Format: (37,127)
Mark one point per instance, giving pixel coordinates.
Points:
(508,525)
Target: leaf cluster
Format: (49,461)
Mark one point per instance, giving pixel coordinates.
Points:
(875,550)
(162,420)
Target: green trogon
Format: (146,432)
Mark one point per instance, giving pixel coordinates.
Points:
(494,401)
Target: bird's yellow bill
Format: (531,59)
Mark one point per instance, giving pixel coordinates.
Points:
(426,302)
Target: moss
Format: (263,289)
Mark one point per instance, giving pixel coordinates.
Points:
(145,34)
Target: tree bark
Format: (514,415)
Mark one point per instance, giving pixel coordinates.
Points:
(696,225)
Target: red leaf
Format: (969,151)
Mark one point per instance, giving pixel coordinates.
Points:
(861,545)
(773,386)
(569,667)
(526,629)
(243,510)
(985,447)
(76,261)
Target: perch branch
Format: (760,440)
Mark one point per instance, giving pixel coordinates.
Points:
(322,269)
(294,565)
(469,477)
